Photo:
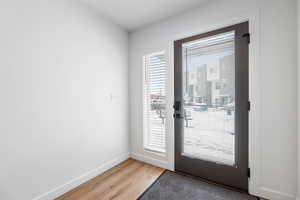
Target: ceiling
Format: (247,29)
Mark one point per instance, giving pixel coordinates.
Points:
(132,14)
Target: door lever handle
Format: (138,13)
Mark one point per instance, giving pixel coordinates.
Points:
(178,116)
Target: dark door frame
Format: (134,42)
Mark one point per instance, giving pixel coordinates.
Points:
(234,176)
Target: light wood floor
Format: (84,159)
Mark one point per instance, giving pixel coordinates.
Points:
(126,181)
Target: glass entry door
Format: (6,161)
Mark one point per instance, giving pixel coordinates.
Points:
(211,106)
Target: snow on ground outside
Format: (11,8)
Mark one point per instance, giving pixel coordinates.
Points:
(209,136)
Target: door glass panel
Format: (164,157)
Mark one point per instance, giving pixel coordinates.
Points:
(209,98)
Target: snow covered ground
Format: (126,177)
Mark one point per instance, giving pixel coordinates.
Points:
(209,136)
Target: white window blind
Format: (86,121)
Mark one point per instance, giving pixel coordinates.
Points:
(155,102)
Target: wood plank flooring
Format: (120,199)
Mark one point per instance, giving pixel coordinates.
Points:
(126,181)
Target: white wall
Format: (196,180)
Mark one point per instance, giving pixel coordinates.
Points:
(298,56)
(63,99)
(273,161)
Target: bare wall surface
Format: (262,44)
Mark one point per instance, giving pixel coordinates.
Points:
(274,162)
(63,99)
(298,56)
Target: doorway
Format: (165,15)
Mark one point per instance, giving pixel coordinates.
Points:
(211,82)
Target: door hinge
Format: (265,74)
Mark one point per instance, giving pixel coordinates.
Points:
(247,35)
(248,172)
(249,105)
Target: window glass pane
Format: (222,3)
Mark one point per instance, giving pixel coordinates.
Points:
(209,98)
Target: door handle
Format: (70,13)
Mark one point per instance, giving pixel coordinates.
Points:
(177,116)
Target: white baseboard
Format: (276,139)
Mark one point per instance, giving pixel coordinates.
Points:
(60,190)
(150,160)
(275,195)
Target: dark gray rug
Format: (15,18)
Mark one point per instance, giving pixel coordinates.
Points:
(173,186)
